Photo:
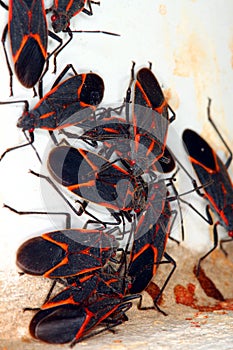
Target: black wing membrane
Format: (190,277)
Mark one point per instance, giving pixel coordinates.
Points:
(28,22)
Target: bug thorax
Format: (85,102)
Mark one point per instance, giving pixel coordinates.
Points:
(26,121)
(60,21)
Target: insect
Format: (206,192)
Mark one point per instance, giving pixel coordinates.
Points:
(66,253)
(64,10)
(209,168)
(150,237)
(27,28)
(69,102)
(118,136)
(151,233)
(97,180)
(147,96)
(72,315)
(148,93)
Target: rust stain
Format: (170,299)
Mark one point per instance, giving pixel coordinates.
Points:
(172,98)
(162,9)
(195,324)
(195,58)
(26,339)
(190,58)
(117,341)
(185,295)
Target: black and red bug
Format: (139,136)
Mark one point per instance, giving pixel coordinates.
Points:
(66,253)
(148,96)
(210,170)
(97,180)
(27,28)
(117,136)
(148,93)
(74,314)
(150,238)
(69,102)
(71,324)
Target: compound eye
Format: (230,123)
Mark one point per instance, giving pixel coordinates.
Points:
(54,18)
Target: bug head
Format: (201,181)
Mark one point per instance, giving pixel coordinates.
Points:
(60,21)
(26,122)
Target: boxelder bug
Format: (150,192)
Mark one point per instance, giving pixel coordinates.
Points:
(148,94)
(66,253)
(150,238)
(70,102)
(28,32)
(73,313)
(97,180)
(153,228)
(71,324)
(64,10)
(209,168)
(144,149)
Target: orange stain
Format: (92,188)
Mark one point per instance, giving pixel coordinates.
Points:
(190,58)
(162,9)
(172,98)
(195,59)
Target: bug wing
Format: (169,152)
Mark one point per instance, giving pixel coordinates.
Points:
(28,35)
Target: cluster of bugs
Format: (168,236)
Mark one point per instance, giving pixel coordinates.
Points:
(123,166)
